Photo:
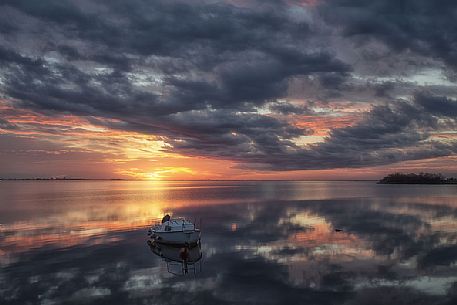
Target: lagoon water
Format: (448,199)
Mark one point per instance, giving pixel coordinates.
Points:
(271,242)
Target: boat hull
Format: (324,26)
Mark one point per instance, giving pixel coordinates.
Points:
(171,253)
(177,238)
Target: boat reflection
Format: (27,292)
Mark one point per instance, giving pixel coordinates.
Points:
(180,260)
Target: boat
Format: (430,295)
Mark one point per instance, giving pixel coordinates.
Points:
(176,231)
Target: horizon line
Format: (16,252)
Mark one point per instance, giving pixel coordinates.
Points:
(122,179)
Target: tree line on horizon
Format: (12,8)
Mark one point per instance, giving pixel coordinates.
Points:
(421,178)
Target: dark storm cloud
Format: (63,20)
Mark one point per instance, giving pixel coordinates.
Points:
(234,135)
(438,105)
(288,108)
(425,27)
(333,80)
(198,73)
(215,55)
(443,256)
(10,58)
(64,88)
(248,78)
(389,133)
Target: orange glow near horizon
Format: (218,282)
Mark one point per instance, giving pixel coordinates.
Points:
(74,146)
(82,223)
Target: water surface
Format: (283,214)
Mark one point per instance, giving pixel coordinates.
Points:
(274,242)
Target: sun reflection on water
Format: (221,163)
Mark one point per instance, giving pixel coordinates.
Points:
(253,234)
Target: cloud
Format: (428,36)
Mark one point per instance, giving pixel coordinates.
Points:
(418,26)
(286,108)
(389,133)
(438,105)
(208,76)
(4,124)
(203,55)
(444,256)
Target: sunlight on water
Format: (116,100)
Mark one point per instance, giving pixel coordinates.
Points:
(262,242)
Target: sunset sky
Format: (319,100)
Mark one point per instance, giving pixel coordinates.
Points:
(213,89)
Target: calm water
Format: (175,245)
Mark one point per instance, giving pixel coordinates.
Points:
(262,243)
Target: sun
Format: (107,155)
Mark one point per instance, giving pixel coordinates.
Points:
(170,173)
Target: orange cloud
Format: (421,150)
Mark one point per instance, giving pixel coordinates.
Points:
(67,145)
(322,125)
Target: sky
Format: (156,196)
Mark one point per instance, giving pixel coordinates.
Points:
(213,89)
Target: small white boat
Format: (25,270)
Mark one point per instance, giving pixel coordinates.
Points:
(175,231)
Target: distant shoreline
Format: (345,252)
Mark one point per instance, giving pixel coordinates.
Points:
(60,179)
(420,183)
(120,179)
(421,178)
(390,179)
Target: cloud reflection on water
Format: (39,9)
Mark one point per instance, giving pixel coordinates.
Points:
(283,248)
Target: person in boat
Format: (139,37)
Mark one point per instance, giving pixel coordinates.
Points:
(166,218)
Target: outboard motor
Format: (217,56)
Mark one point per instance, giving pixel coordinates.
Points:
(166,218)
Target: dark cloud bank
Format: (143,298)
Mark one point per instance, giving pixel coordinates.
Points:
(198,73)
